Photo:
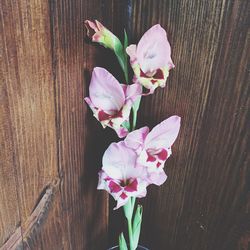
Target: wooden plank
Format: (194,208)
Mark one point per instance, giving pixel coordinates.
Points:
(206,189)
(9,210)
(31,134)
(81,139)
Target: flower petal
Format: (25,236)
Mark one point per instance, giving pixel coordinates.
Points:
(105,91)
(136,138)
(121,132)
(122,200)
(133,91)
(157,178)
(153,50)
(119,162)
(164,134)
(131,51)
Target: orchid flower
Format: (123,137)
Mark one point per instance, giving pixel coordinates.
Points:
(100,34)
(120,174)
(111,101)
(151,59)
(153,148)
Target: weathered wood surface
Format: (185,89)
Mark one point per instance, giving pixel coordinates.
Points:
(206,195)
(49,137)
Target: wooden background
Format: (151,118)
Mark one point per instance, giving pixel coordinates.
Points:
(51,147)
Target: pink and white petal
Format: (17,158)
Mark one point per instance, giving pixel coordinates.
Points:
(142,194)
(91,105)
(121,200)
(143,159)
(118,161)
(95,111)
(133,91)
(157,178)
(153,50)
(131,51)
(121,132)
(90,24)
(136,138)
(105,91)
(164,134)
(102,181)
(99,26)
(142,188)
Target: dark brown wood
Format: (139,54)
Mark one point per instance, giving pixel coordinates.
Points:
(84,209)
(49,135)
(206,192)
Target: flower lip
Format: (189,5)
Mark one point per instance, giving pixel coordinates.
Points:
(103,116)
(157,74)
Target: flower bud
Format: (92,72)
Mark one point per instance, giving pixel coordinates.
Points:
(100,34)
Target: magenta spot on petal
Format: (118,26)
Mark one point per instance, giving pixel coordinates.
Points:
(153,81)
(111,123)
(163,155)
(159,74)
(102,116)
(151,158)
(107,178)
(123,196)
(119,114)
(142,74)
(114,187)
(132,187)
(158,164)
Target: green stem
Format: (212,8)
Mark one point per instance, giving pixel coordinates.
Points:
(134,119)
(129,219)
(130,234)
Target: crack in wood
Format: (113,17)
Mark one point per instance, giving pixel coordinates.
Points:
(35,221)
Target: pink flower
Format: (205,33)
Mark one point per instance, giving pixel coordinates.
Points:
(153,148)
(151,58)
(111,101)
(100,34)
(120,174)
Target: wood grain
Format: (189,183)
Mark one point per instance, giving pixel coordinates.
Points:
(207,190)
(29,101)
(47,132)
(84,208)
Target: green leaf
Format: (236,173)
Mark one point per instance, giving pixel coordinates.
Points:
(120,56)
(122,242)
(137,225)
(120,52)
(125,40)
(125,45)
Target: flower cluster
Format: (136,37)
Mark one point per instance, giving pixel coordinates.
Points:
(131,165)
